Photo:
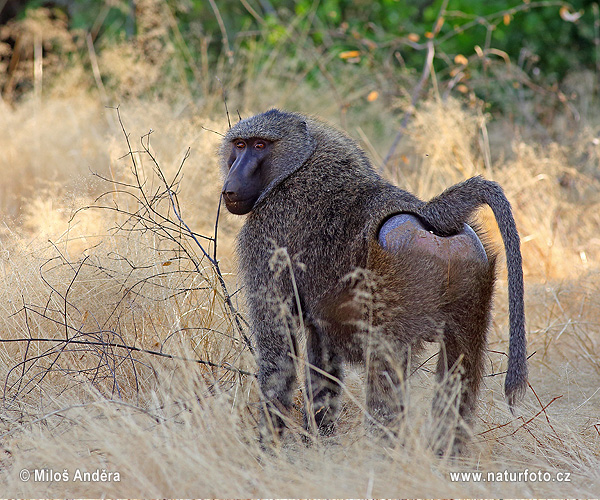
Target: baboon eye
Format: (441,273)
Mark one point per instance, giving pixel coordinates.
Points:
(240,144)
(259,145)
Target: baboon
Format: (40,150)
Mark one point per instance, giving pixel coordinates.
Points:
(374,272)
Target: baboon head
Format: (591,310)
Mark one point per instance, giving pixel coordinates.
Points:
(259,153)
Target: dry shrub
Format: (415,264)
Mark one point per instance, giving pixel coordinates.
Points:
(557,206)
(122,64)
(444,136)
(134,288)
(99,286)
(135,69)
(41,41)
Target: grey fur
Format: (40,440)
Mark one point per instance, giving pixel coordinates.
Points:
(359,301)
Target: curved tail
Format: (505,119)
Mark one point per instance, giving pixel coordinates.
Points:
(446,213)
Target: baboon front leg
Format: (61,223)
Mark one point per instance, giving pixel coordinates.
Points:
(277,380)
(323,391)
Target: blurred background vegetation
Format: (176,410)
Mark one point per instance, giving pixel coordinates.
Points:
(501,53)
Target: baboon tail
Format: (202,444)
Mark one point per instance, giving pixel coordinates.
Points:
(515,383)
(446,213)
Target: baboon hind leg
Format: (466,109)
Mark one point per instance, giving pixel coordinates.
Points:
(460,369)
(323,376)
(387,374)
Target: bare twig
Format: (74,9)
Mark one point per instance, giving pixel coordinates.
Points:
(225,38)
(224,101)
(156,211)
(416,94)
(174,203)
(126,347)
(524,424)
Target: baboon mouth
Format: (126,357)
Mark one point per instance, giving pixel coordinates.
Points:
(239,207)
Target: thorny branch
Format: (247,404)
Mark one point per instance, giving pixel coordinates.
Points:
(176,209)
(73,341)
(170,224)
(86,337)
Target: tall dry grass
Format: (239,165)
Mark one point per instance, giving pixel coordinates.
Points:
(96,283)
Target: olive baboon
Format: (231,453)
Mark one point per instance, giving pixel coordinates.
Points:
(376,272)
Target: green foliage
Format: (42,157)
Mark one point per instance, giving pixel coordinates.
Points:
(518,28)
(488,50)
(110,19)
(522,29)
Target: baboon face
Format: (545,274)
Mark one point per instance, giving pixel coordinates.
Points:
(249,173)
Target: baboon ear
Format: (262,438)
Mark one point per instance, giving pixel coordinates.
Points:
(295,149)
(289,153)
(307,146)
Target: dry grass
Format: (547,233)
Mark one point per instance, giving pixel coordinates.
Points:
(179,428)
